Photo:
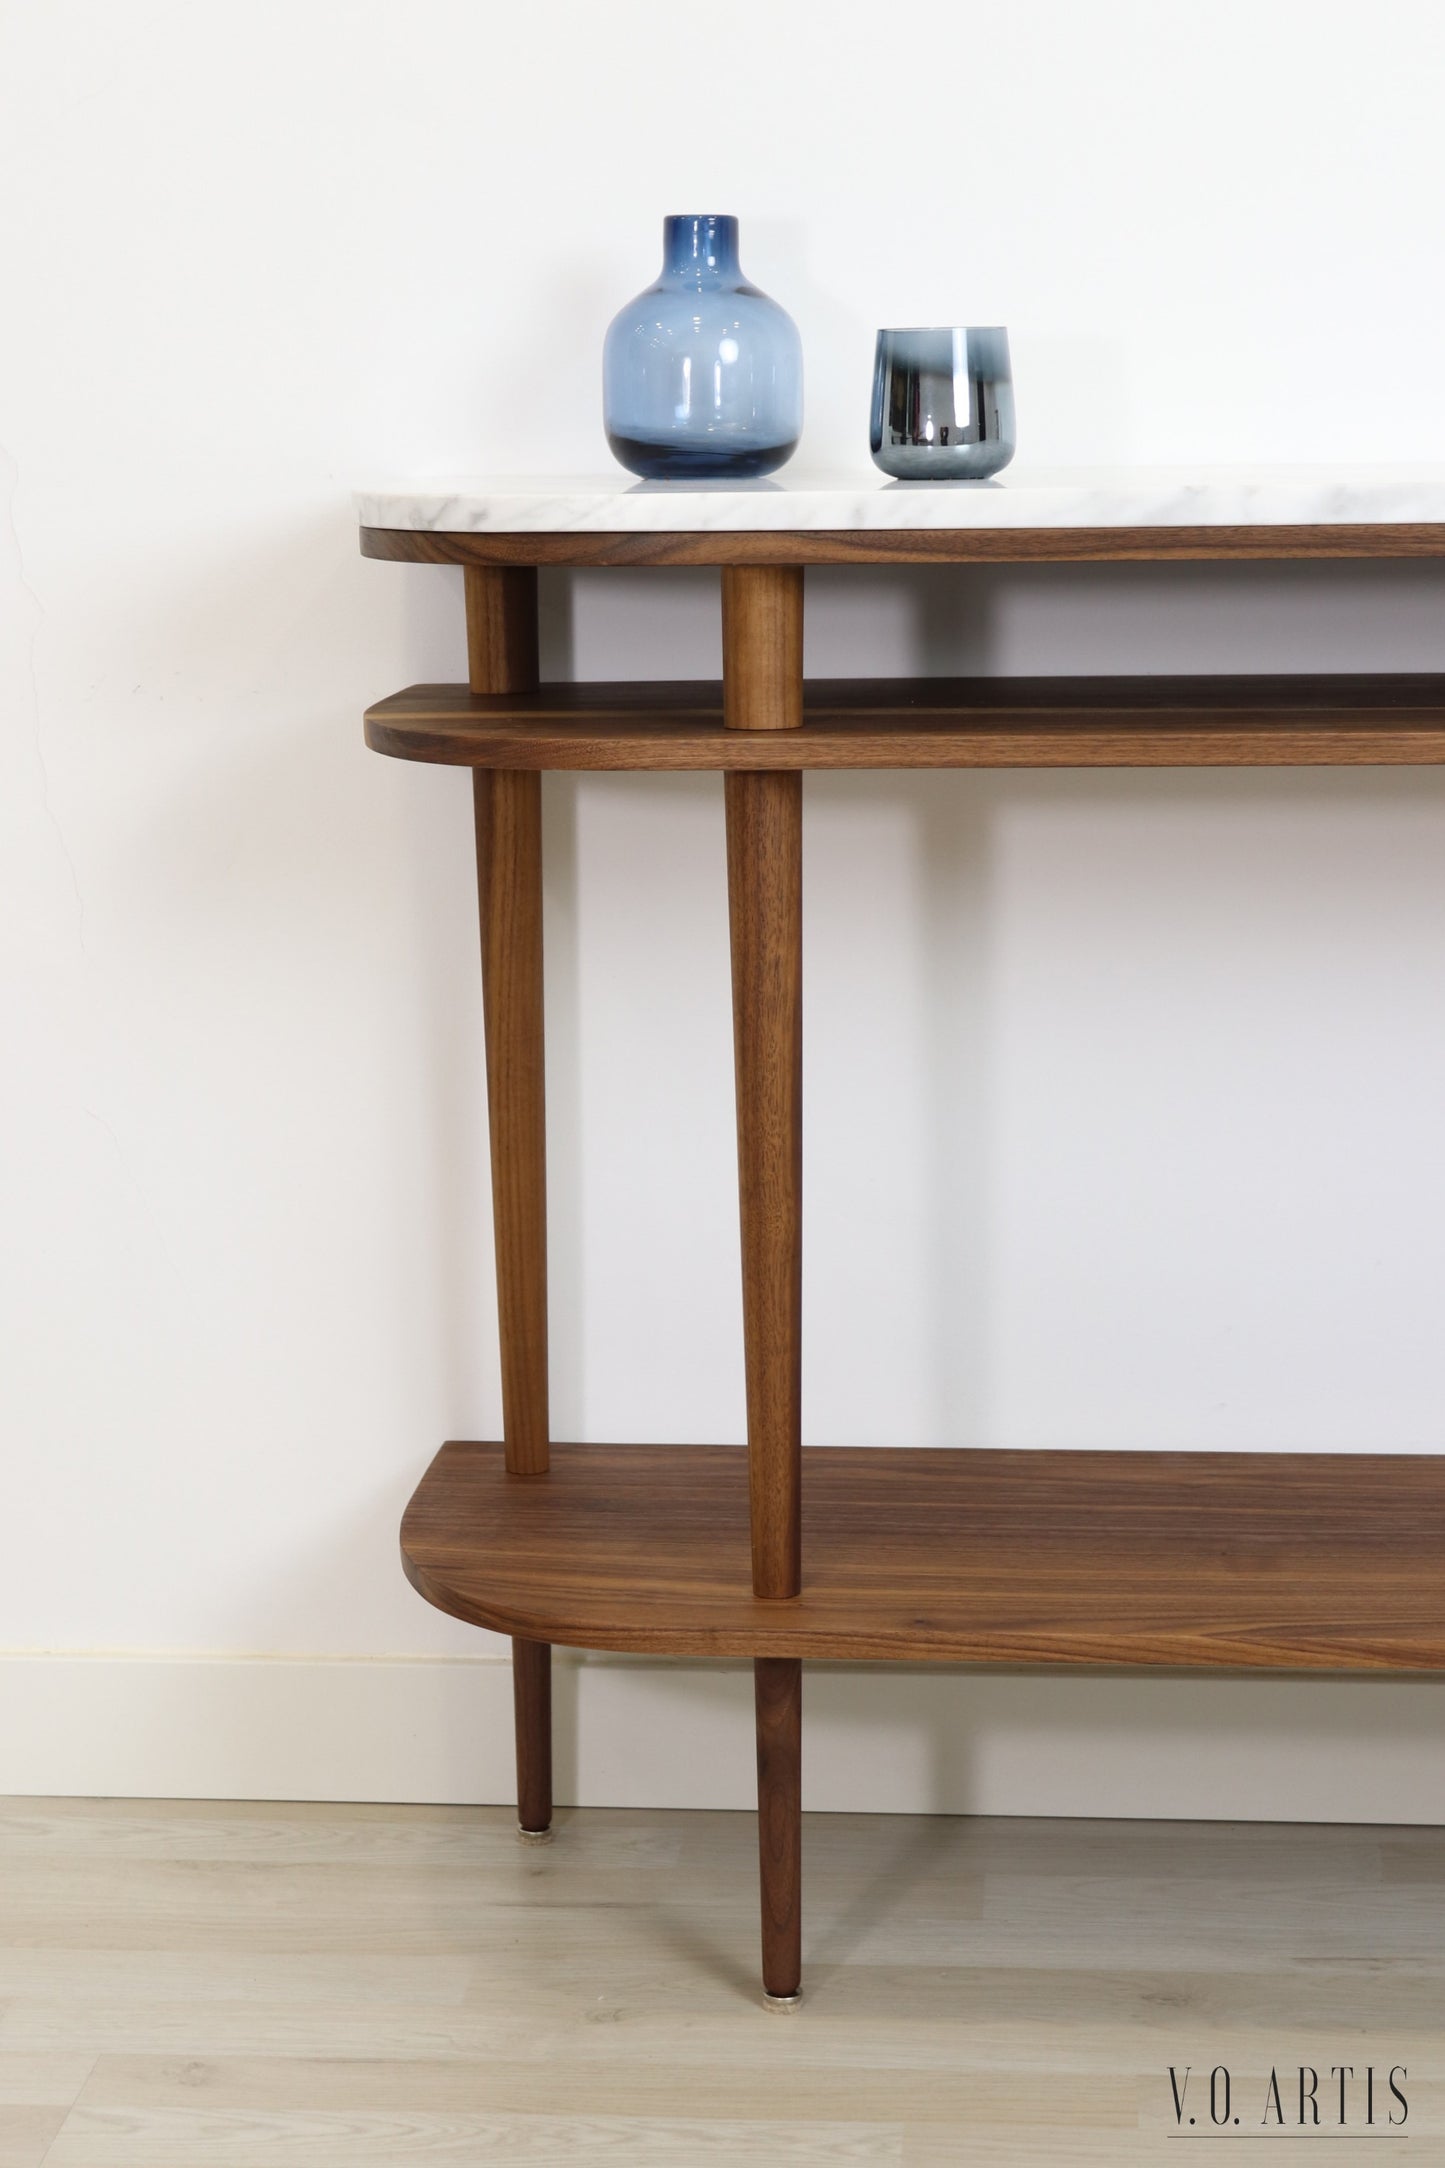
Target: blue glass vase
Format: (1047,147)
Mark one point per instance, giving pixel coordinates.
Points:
(702,375)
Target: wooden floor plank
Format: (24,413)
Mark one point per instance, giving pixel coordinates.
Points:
(790,2090)
(42,2081)
(983,1991)
(27,2134)
(177,2138)
(307,1832)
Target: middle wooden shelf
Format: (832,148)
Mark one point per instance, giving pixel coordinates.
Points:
(1054,722)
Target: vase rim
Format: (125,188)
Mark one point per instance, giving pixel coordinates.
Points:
(700,246)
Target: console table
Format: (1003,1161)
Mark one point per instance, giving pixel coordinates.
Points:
(1213,1561)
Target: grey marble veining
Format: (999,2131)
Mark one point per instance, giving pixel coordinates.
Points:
(1077,497)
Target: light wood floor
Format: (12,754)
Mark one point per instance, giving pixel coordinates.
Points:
(182,1985)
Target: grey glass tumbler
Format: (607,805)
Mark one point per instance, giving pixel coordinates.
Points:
(943,404)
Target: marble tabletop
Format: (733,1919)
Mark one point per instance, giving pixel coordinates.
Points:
(1084,497)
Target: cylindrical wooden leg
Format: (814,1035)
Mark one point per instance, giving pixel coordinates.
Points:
(762,609)
(778,1690)
(502,657)
(509,886)
(765,852)
(532,1704)
(763,691)
(762,628)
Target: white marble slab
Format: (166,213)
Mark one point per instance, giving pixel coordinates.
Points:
(1078,497)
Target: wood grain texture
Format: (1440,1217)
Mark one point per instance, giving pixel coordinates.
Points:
(765,909)
(532,1705)
(762,632)
(508,810)
(1207,1561)
(1135,722)
(763,697)
(27,2135)
(873,546)
(778,1701)
(501,628)
(501,623)
(762,622)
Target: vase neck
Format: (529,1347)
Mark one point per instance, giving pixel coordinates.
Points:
(700,251)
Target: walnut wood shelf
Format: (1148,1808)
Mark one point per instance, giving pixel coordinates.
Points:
(1253,1561)
(1130,722)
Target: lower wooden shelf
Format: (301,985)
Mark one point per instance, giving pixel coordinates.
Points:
(1208,1561)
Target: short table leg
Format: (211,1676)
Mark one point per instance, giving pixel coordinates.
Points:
(778,1688)
(532,1702)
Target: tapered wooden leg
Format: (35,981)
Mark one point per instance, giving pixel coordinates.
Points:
(763,691)
(778,1690)
(509,885)
(765,851)
(502,656)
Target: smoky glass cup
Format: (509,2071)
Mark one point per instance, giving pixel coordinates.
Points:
(943,403)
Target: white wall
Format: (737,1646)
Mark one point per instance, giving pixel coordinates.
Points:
(1123,1122)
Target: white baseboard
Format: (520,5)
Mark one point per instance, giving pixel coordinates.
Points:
(641,1733)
